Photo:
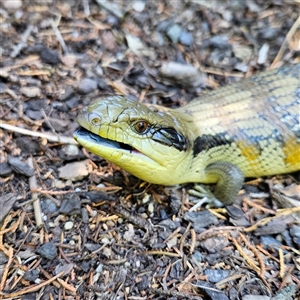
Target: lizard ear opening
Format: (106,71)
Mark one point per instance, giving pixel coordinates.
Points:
(170,137)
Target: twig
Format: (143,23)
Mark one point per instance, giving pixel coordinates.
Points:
(31,289)
(36,202)
(59,36)
(49,137)
(286,40)
(22,43)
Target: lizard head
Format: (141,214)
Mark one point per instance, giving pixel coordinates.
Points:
(146,141)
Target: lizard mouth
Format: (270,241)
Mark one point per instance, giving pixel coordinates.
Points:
(90,137)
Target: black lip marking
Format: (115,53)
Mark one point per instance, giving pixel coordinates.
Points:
(208,141)
(88,135)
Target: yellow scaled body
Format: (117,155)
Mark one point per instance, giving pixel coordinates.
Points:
(247,129)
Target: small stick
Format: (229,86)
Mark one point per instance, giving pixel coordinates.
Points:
(286,40)
(36,202)
(49,137)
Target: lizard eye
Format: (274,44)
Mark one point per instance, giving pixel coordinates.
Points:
(141,127)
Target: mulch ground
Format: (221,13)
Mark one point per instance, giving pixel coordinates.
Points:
(72,225)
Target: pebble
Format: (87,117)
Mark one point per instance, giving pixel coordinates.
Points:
(99,268)
(27,145)
(66,93)
(197,256)
(66,268)
(31,275)
(182,74)
(174,33)
(186,38)
(68,225)
(295,233)
(87,85)
(71,204)
(31,91)
(138,6)
(214,244)
(74,171)
(5,170)
(48,206)
(49,56)
(150,207)
(12,5)
(146,198)
(20,167)
(107,252)
(263,54)
(244,53)
(216,275)
(201,219)
(84,216)
(3,258)
(69,60)
(255,297)
(71,150)
(91,247)
(48,250)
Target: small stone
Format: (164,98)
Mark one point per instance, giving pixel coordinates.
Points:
(12,4)
(49,56)
(106,251)
(151,207)
(27,145)
(84,216)
(105,240)
(70,205)
(263,54)
(99,268)
(182,74)
(59,184)
(71,150)
(244,53)
(68,225)
(201,219)
(256,297)
(87,86)
(5,170)
(30,91)
(31,275)
(129,234)
(3,258)
(146,198)
(74,171)
(91,247)
(174,33)
(57,124)
(214,244)
(99,70)
(20,167)
(172,242)
(69,60)
(197,256)
(66,93)
(186,38)
(34,114)
(139,6)
(37,105)
(48,250)
(48,206)
(66,268)
(216,275)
